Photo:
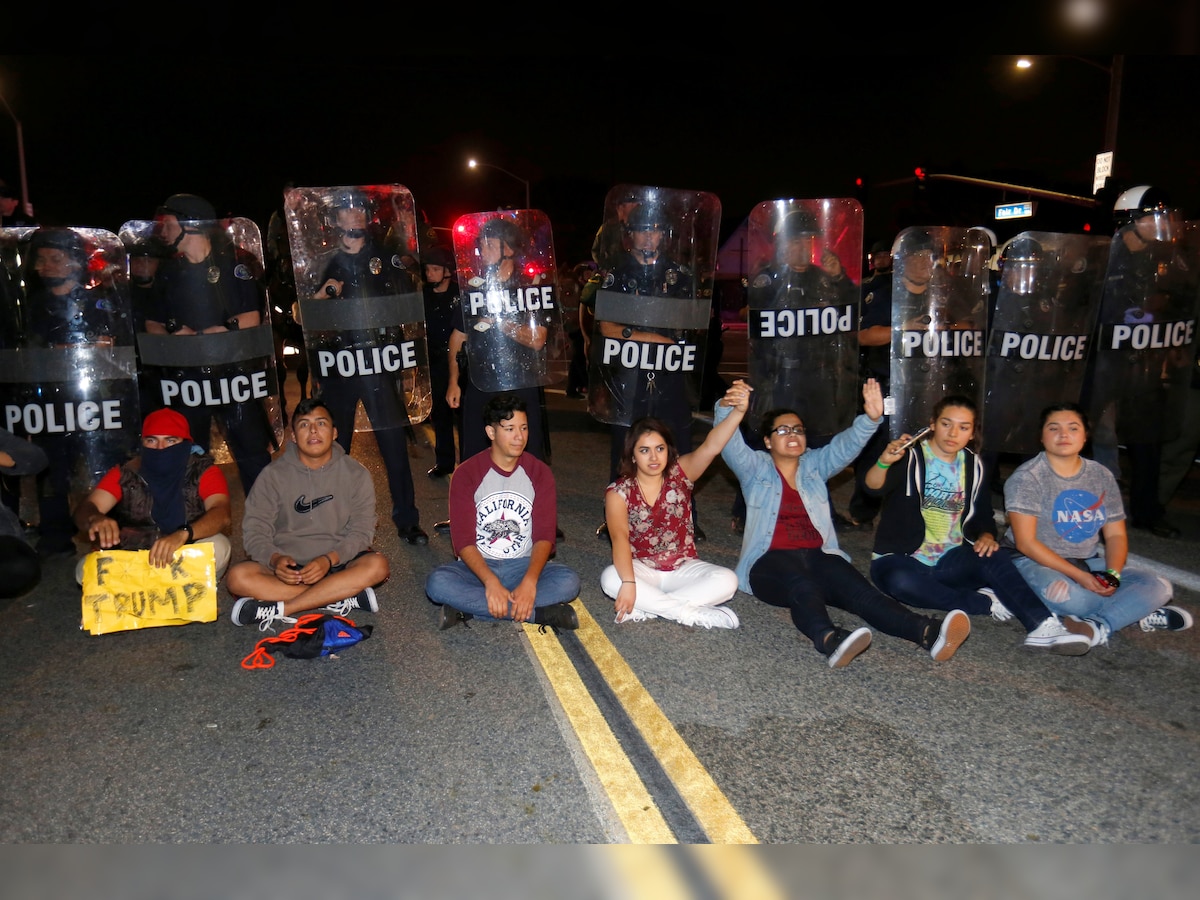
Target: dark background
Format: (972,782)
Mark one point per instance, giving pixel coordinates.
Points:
(106,143)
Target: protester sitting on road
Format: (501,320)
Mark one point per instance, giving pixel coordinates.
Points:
(309,522)
(1060,504)
(656,572)
(790,555)
(20,569)
(936,546)
(503,510)
(169,495)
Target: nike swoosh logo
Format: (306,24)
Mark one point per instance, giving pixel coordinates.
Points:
(302,505)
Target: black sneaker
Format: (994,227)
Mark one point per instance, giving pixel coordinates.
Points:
(364,600)
(602,532)
(1167,618)
(442,527)
(842,645)
(248,611)
(448,617)
(556,616)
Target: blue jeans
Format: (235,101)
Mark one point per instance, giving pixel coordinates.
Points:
(808,581)
(1140,593)
(456,586)
(953,582)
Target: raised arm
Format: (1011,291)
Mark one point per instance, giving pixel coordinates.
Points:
(737,398)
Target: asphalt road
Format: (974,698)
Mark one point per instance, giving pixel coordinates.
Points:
(647,732)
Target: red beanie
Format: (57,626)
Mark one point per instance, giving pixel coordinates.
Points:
(168,422)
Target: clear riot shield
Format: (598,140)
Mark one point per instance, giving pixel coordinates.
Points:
(68,370)
(939,320)
(205,340)
(1041,333)
(359,303)
(652,306)
(802,323)
(509,297)
(1146,332)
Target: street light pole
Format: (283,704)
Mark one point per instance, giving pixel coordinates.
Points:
(474,164)
(20,157)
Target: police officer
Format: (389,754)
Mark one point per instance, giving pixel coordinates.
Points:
(361,268)
(206,287)
(440,293)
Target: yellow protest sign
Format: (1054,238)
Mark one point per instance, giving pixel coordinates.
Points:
(122,591)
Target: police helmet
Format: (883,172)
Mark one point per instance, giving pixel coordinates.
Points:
(1019,262)
(1142,200)
(646,217)
(505,230)
(188,208)
(438,256)
(798,223)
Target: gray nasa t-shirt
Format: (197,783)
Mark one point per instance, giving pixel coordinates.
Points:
(1071,512)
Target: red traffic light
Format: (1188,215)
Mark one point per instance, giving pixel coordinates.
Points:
(919,172)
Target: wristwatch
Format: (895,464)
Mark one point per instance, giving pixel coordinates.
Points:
(191,534)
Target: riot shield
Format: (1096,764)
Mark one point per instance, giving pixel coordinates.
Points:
(652,305)
(359,305)
(1041,333)
(68,371)
(205,342)
(510,309)
(1146,331)
(939,320)
(802,323)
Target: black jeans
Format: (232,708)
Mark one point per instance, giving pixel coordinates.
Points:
(809,581)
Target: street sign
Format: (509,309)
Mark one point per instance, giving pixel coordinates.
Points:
(1104,164)
(1022,210)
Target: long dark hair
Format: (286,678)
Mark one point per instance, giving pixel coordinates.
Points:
(964,402)
(639,429)
(1065,407)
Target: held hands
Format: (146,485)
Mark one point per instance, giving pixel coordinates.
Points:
(289,571)
(738,396)
(872,399)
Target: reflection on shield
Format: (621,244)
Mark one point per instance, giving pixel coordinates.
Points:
(204,337)
(509,295)
(68,371)
(354,252)
(1041,334)
(1145,340)
(939,319)
(652,303)
(802,318)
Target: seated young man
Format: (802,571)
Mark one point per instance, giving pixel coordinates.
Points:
(503,513)
(168,495)
(309,521)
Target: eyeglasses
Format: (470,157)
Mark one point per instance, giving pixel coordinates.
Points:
(785,430)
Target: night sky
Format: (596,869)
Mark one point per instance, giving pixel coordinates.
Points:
(105,147)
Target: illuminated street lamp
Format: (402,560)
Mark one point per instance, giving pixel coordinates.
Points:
(20,156)
(1115,73)
(475,164)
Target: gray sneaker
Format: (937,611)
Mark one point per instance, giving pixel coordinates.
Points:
(1052,635)
(709,617)
(248,611)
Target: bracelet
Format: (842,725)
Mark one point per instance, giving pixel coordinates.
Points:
(191,534)
(623,581)
(882,465)
(329,558)
(1116,576)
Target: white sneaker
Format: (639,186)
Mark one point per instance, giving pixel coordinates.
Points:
(1053,636)
(1099,631)
(999,611)
(709,617)
(635,615)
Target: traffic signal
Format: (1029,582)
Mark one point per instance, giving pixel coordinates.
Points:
(920,173)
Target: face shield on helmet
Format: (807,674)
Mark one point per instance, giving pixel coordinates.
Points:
(1018,266)
(1146,208)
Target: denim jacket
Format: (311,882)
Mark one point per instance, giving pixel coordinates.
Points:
(763,487)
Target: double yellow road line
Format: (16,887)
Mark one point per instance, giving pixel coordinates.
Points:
(631,800)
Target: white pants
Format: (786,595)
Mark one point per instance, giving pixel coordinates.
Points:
(666,594)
